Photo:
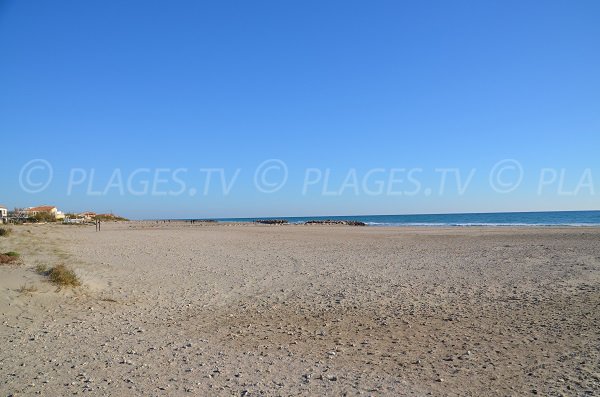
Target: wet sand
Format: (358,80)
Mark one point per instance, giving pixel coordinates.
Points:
(212,309)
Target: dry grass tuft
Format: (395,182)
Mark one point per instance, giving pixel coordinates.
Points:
(9,257)
(27,289)
(41,269)
(59,275)
(5,231)
(63,276)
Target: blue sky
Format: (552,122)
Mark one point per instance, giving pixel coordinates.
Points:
(337,85)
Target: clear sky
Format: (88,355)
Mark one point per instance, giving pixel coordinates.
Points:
(334,86)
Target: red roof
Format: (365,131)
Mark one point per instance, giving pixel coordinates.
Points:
(42,208)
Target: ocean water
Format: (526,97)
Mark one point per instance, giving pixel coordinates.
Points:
(554,218)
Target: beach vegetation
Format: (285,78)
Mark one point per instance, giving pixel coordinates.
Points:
(44,217)
(62,276)
(41,269)
(24,289)
(9,257)
(109,217)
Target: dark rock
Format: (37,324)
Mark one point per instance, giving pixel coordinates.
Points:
(271,221)
(335,222)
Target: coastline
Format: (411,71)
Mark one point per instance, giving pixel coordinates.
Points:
(499,219)
(406,226)
(313,309)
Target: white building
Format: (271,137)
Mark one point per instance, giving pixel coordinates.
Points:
(3,214)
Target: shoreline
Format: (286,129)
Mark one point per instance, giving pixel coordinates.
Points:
(370,225)
(404,227)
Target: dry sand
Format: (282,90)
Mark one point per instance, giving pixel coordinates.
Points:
(175,309)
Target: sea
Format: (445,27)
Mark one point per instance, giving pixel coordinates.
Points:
(524,219)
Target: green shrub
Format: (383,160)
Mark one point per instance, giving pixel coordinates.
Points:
(41,269)
(62,276)
(44,217)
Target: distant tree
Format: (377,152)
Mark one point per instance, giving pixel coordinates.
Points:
(109,217)
(44,217)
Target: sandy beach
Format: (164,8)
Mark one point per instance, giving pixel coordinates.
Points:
(249,310)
